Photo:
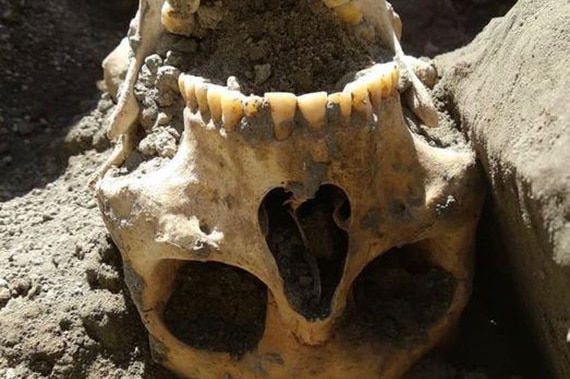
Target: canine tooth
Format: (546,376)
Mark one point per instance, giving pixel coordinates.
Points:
(202,97)
(335,3)
(313,107)
(252,105)
(344,102)
(232,109)
(283,106)
(214,97)
(349,13)
(176,25)
(360,99)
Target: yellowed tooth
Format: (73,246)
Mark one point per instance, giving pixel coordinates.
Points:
(395,80)
(387,85)
(313,107)
(374,84)
(232,109)
(344,102)
(335,3)
(349,13)
(176,22)
(252,105)
(187,84)
(360,99)
(214,96)
(201,91)
(283,106)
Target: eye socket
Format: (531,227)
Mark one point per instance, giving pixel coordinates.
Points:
(309,242)
(216,307)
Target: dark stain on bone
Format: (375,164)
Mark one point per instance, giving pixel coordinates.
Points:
(309,242)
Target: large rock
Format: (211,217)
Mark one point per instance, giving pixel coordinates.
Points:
(511,91)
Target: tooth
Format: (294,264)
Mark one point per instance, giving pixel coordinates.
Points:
(349,13)
(375,87)
(335,3)
(176,25)
(187,84)
(253,105)
(283,106)
(233,84)
(344,102)
(214,97)
(360,99)
(313,107)
(202,97)
(232,109)
(395,79)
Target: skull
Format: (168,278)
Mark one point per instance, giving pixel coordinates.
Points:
(312,236)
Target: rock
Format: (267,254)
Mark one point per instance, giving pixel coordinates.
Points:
(4,296)
(510,88)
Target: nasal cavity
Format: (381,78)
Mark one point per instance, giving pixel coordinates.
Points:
(309,241)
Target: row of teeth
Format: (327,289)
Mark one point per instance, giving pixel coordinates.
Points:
(227,107)
(183,17)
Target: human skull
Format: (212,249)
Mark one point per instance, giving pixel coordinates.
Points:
(283,235)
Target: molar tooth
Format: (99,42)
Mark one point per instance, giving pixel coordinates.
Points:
(344,102)
(283,106)
(201,91)
(360,99)
(313,107)
(214,97)
(349,13)
(232,109)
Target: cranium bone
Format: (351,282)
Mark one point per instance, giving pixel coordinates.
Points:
(353,234)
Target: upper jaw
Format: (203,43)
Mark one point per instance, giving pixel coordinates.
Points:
(229,108)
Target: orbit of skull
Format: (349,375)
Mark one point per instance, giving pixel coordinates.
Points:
(279,234)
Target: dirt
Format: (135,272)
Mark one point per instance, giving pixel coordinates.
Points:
(400,307)
(292,46)
(228,316)
(64,309)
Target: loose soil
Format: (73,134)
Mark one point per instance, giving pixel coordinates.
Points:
(64,308)
(293,46)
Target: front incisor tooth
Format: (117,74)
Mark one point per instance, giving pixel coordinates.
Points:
(342,100)
(232,109)
(201,91)
(349,13)
(283,106)
(214,96)
(313,107)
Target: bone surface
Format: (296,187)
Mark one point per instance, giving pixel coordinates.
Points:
(300,228)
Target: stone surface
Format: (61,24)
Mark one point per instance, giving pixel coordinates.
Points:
(510,89)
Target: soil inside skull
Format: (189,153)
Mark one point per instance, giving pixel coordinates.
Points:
(397,298)
(217,307)
(294,46)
